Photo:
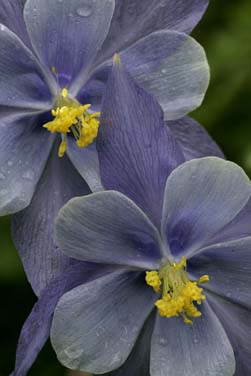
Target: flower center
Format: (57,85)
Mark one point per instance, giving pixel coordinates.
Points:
(70,116)
(178,293)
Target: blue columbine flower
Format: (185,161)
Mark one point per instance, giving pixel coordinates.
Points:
(178,302)
(54,61)
(139,125)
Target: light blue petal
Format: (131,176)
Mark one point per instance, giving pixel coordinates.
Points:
(200,349)
(201,197)
(36,329)
(236,321)
(23,83)
(24,149)
(68,34)
(238,228)
(171,66)
(229,268)
(33,227)
(86,162)
(138,362)
(96,325)
(107,227)
(135,19)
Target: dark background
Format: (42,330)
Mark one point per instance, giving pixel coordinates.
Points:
(225,33)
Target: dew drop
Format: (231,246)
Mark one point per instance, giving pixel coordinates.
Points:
(229,294)
(10,163)
(196,339)
(28,175)
(85,11)
(73,353)
(163,341)
(2,27)
(116,358)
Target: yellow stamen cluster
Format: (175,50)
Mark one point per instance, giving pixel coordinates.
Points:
(153,280)
(70,116)
(178,293)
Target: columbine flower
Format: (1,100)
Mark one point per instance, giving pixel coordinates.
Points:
(54,61)
(179,300)
(141,129)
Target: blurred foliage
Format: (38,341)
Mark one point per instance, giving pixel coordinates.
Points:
(225,34)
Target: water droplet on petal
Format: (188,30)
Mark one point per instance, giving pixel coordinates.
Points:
(28,175)
(163,341)
(85,11)
(2,27)
(10,163)
(73,353)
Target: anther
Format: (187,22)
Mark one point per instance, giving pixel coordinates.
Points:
(70,116)
(178,293)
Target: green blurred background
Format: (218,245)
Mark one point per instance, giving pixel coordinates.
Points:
(225,33)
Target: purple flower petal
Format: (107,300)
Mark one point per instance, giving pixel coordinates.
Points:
(68,34)
(138,362)
(23,83)
(136,150)
(201,197)
(171,66)
(107,227)
(96,325)
(12,114)
(11,15)
(24,149)
(86,162)
(33,227)
(200,349)
(229,268)
(193,139)
(236,321)
(135,19)
(36,328)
